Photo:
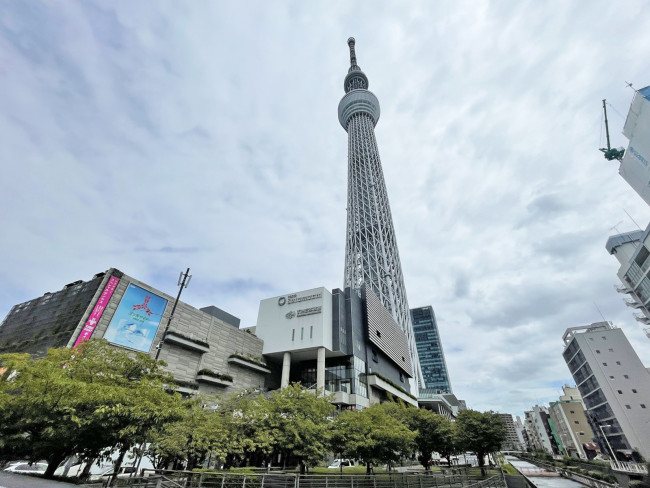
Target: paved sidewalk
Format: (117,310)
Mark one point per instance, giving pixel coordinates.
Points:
(14,480)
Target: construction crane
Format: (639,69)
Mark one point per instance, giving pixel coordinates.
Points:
(610,153)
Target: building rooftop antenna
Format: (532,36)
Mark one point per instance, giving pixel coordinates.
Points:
(610,154)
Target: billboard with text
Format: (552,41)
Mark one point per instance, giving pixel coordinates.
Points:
(136,320)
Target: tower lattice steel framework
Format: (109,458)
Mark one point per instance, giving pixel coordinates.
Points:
(371,255)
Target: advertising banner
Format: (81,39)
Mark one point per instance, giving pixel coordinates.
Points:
(136,320)
(98,310)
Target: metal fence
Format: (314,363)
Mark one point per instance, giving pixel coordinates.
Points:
(185,479)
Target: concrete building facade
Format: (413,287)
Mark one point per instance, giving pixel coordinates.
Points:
(615,387)
(337,342)
(512,439)
(576,439)
(204,349)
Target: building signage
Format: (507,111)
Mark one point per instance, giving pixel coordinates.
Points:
(294,298)
(137,319)
(309,311)
(303,312)
(98,310)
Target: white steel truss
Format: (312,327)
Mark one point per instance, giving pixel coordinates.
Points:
(371,254)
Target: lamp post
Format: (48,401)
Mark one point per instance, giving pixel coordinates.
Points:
(611,451)
(181,282)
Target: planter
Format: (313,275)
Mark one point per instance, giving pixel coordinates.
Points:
(177,339)
(212,380)
(249,364)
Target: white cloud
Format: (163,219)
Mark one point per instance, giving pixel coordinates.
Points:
(156,137)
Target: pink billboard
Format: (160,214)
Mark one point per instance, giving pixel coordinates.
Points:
(97,312)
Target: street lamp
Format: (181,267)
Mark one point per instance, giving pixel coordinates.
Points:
(183,282)
(611,451)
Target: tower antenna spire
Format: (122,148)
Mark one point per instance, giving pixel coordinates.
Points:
(353,54)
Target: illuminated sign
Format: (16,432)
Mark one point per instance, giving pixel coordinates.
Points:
(136,320)
(98,310)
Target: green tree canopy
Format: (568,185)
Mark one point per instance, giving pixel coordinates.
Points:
(372,435)
(480,432)
(298,423)
(81,401)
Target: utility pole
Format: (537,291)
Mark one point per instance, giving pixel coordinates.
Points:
(183,282)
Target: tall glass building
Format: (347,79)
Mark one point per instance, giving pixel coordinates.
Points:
(432,357)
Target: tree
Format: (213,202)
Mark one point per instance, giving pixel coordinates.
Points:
(480,432)
(371,435)
(83,401)
(435,433)
(298,423)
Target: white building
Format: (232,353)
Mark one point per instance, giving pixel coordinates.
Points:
(631,251)
(615,387)
(538,429)
(339,342)
(635,165)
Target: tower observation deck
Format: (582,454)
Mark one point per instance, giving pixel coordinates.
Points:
(371,255)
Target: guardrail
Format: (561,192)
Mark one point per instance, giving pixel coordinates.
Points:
(189,479)
(631,468)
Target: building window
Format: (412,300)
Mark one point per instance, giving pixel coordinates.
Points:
(620,392)
(378,333)
(628,407)
(597,351)
(633,390)
(311,331)
(611,350)
(401,377)
(374,356)
(626,377)
(611,377)
(618,362)
(293,334)
(604,364)
(576,422)
(302,333)
(604,338)
(643,405)
(571,411)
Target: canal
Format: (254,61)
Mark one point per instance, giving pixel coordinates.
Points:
(538,478)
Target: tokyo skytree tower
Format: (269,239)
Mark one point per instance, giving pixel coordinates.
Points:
(371,255)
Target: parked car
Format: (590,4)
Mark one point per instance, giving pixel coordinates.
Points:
(124,472)
(337,463)
(35,468)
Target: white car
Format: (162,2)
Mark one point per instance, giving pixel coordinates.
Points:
(346,463)
(35,468)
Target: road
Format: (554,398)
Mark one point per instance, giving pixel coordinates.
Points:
(13,480)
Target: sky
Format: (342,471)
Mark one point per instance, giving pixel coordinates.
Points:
(156,136)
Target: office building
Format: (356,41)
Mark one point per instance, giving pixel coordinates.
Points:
(204,348)
(432,357)
(512,439)
(615,388)
(371,255)
(569,419)
(340,343)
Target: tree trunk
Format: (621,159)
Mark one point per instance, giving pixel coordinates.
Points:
(53,462)
(118,465)
(368,468)
(86,471)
